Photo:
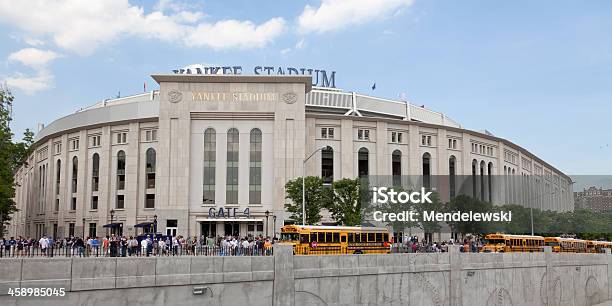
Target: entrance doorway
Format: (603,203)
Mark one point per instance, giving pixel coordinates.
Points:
(232,228)
(208,229)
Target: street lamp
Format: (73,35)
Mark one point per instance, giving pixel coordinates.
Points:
(304,183)
(112,213)
(155,225)
(274,225)
(267,224)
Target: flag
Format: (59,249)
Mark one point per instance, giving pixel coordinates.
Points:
(144,87)
(374,86)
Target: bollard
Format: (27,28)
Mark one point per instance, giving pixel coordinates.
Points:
(284,277)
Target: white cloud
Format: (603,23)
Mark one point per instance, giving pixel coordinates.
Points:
(300,44)
(235,34)
(31,84)
(32,57)
(84,26)
(34,42)
(338,14)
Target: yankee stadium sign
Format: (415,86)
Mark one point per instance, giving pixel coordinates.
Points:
(319,77)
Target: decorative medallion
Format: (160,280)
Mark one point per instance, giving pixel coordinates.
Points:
(175,96)
(290,97)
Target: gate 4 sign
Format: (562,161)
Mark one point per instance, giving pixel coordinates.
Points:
(222,212)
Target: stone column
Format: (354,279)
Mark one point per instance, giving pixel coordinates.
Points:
(549,277)
(609,273)
(284,278)
(455,296)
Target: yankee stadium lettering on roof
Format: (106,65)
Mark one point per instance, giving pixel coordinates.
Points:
(319,77)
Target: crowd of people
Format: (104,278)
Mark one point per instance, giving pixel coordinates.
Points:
(412,245)
(144,245)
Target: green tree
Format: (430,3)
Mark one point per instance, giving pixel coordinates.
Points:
(463,203)
(430,227)
(345,205)
(317,197)
(12,155)
(397,207)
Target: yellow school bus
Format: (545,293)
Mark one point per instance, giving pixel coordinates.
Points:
(504,243)
(319,240)
(598,246)
(566,245)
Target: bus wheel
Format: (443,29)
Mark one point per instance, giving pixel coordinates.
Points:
(358,252)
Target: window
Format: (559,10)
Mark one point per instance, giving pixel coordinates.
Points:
(150,201)
(171,227)
(57,204)
(95,172)
(150,135)
(231,194)
(327,165)
(396,167)
(58,174)
(120,204)
(363,134)
(94,202)
(255,167)
(73,203)
(396,137)
(426,170)
(452,143)
(150,168)
(327,133)
(121,138)
(74,144)
(92,230)
(94,141)
(426,140)
(210,149)
(75,171)
(451,175)
(363,162)
(57,147)
(120,170)
(71,229)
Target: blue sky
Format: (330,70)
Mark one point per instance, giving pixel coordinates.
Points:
(537,73)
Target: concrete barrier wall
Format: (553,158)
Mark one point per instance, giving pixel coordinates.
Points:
(397,279)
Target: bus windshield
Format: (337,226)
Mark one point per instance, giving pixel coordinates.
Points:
(552,243)
(289,236)
(495,241)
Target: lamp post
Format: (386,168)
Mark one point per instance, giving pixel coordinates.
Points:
(112,213)
(304,183)
(155,225)
(267,224)
(274,225)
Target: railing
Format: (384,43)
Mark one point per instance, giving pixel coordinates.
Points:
(100,251)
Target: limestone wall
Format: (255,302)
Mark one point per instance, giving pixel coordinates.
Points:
(398,279)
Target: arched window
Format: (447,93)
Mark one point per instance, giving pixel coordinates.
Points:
(452,164)
(120,170)
(363,162)
(255,167)
(210,157)
(482,181)
(150,167)
(95,172)
(474,185)
(427,170)
(396,168)
(58,174)
(490,180)
(75,171)
(327,165)
(231,192)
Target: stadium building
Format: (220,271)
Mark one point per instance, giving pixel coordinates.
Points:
(210,155)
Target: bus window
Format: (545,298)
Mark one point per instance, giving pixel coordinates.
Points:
(379,237)
(351,238)
(371,237)
(364,237)
(357,237)
(343,239)
(313,237)
(304,238)
(386,237)
(336,237)
(328,237)
(321,237)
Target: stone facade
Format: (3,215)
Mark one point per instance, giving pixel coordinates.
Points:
(294,121)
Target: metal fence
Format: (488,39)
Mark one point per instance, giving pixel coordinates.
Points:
(89,251)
